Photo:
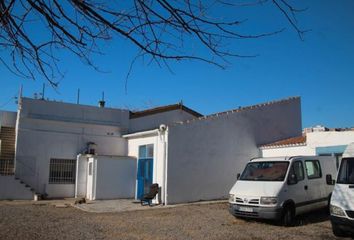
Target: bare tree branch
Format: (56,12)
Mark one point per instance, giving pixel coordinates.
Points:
(161,30)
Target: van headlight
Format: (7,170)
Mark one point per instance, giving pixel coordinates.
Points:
(231,198)
(337,211)
(269,200)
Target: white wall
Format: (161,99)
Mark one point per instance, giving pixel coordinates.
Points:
(153,121)
(60,190)
(313,140)
(81,176)
(12,189)
(8,119)
(204,156)
(288,151)
(115,177)
(67,112)
(59,130)
(329,138)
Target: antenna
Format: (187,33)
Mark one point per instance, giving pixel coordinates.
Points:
(43,89)
(78,96)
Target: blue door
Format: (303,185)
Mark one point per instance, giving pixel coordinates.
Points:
(145,170)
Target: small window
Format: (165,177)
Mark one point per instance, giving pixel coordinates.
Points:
(62,171)
(346,171)
(298,170)
(150,151)
(146,151)
(313,169)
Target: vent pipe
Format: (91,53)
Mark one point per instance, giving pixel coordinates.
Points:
(102,103)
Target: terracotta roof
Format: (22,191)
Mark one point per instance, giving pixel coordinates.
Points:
(164,109)
(300,140)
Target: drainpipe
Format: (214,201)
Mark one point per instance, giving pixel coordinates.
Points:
(78,157)
(166,163)
(163,138)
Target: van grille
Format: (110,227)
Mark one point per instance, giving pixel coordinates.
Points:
(350,214)
(246,214)
(254,201)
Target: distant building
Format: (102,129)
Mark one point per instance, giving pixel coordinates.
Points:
(66,150)
(318,140)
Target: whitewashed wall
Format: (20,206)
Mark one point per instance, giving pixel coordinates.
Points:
(8,119)
(81,175)
(287,151)
(115,177)
(60,130)
(329,138)
(12,189)
(153,121)
(313,140)
(204,156)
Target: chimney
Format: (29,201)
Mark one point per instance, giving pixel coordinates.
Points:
(102,102)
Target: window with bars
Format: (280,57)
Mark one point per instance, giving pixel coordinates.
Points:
(62,171)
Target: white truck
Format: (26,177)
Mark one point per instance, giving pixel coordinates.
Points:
(342,200)
(283,187)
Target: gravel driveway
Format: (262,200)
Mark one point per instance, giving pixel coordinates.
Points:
(211,221)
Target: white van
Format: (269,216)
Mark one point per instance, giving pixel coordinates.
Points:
(281,188)
(342,201)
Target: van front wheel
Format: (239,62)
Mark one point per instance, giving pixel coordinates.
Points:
(287,217)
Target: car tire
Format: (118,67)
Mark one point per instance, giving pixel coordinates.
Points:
(287,217)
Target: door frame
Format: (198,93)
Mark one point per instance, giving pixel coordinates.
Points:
(90,182)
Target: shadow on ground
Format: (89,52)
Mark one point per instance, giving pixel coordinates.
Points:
(312,217)
(317,216)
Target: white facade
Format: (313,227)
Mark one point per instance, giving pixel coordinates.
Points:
(8,119)
(205,155)
(158,138)
(193,158)
(316,144)
(53,130)
(108,177)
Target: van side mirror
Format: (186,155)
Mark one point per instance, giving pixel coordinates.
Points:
(329,180)
(238,176)
(292,179)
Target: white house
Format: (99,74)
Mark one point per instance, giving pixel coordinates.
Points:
(198,159)
(314,141)
(67,150)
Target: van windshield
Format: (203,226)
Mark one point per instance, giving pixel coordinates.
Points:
(265,171)
(346,171)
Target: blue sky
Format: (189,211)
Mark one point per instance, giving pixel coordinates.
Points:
(319,69)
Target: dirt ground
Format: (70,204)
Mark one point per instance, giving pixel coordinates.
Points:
(207,221)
